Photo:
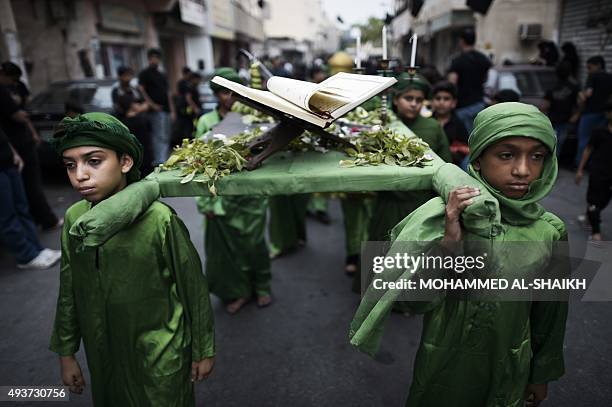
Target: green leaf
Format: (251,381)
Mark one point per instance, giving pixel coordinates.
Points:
(210,172)
(188,178)
(172,160)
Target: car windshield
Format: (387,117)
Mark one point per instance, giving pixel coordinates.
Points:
(524,81)
(528,83)
(102,97)
(89,95)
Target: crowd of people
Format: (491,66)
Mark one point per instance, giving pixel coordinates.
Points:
(507,148)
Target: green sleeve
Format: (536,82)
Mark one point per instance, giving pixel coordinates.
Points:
(201,127)
(192,288)
(547,334)
(443,148)
(66,336)
(548,319)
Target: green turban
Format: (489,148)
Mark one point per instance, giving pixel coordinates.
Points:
(227,73)
(514,119)
(100,130)
(407,82)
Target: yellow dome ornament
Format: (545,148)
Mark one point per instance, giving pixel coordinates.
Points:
(340,62)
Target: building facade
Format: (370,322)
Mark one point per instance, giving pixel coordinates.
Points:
(588,25)
(57,40)
(299,29)
(508,32)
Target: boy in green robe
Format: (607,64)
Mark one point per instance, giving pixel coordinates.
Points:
(391,207)
(409,93)
(139,300)
(237,259)
(485,353)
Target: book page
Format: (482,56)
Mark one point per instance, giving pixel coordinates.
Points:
(331,95)
(351,86)
(325,103)
(270,99)
(296,92)
(355,88)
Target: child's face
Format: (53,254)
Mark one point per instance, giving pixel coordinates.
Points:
(126,78)
(409,104)
(96,172)
(512,164)
(443,103)
(225,98)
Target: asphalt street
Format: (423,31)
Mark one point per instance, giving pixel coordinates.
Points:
(296,352)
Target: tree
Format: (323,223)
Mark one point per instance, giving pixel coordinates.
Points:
(371,31)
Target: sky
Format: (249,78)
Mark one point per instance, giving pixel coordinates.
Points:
(356,11)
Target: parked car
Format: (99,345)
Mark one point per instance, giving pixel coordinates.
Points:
(47,108)
(530,81)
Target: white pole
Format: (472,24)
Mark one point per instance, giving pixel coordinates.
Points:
(384,41)
(414,48)
(358,52)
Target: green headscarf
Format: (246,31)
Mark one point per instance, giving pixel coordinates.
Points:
(516,119)
(227,73)
(100,130)
(407,82)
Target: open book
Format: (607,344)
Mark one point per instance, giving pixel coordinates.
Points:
(316,103)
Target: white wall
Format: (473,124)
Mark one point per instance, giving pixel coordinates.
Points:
(199,47)
(498,31)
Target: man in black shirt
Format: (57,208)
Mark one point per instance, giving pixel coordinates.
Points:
(16,124)
(19,91)
(17,229)
(125,75)
(155,89)
(468,72)
(140,126)
(561,103)
(599,193)
(593,100)
(188,107)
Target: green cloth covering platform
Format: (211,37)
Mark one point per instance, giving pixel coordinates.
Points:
(294,173)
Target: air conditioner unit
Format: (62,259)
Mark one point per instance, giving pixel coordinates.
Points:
(530,32)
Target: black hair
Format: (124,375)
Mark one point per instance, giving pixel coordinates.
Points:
(154,52)
(11,69)
(468,36)
(597,60)
(445,86)
(195,75)
(507,95)
(186,70)
(72,105)
(124,69)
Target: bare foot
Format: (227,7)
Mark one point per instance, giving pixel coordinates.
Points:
(264,300)
(234,306)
